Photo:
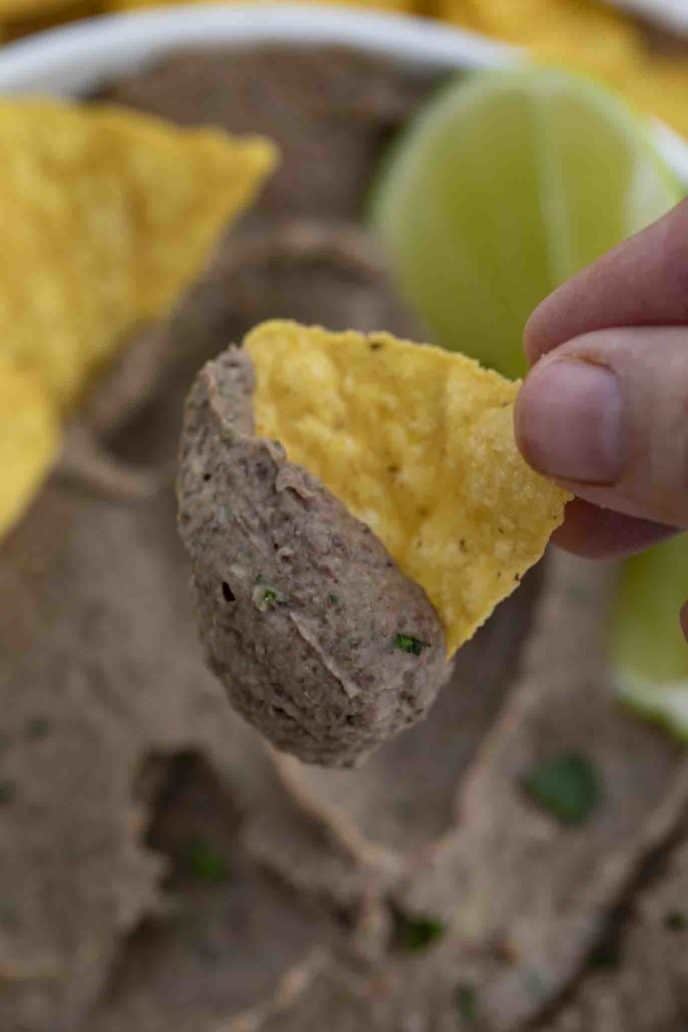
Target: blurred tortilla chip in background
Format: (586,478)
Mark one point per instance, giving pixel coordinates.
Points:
(109,216)
(587,36)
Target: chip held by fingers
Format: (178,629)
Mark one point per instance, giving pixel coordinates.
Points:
(354,508)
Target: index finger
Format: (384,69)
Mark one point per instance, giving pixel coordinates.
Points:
(642,282)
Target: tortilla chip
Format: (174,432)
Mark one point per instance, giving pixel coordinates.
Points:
(590,39)
(109,216)
(418,443)
(584,29)
(661,89)
(29,440)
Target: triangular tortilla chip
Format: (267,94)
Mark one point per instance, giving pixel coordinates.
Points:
(106,217)
(418,443)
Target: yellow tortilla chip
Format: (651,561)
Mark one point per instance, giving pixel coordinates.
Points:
(588,38)
(29,440)
(107,217)
(577,28)
(418,443)
(661,89)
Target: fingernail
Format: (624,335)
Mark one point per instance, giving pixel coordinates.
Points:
(568,421)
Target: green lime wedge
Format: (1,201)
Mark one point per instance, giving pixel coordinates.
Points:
(505,185)
(649,653)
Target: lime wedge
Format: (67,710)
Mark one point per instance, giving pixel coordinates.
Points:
(505,185)
(649,653)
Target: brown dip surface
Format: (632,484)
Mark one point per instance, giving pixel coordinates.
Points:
(159,867)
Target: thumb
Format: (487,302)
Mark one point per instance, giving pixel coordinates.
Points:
(607,415)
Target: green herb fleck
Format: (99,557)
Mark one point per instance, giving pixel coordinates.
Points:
(676,921)
(37,727)
(333,599)
(266,597)
(202,861)
(606,955)
(567,786)
(407,643)
(413,934)
(7,791)
(467,1001)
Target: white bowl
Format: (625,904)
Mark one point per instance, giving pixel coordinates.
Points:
(73,59)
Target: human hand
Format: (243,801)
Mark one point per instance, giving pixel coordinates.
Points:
(605,409)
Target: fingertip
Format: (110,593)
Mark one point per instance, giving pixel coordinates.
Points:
(591,532)
(567,421)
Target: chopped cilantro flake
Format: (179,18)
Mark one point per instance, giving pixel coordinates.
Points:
(606,955)
(407,643)
(417,932)
(676,921)
(266,597)
(467,1002)
(567,786)
(202,861)
(7,791)
(38,727)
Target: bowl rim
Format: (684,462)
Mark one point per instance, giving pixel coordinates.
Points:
(70,58)
(74,58)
